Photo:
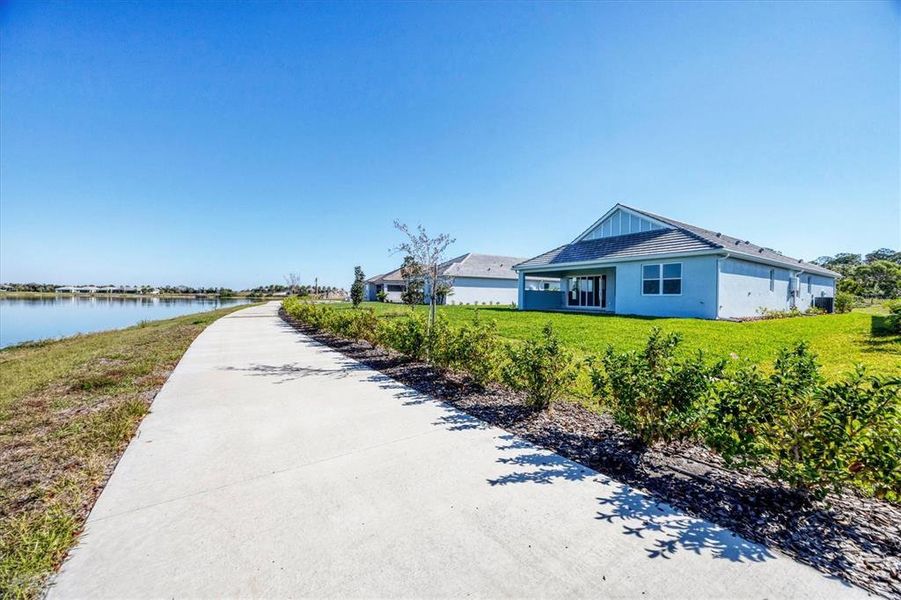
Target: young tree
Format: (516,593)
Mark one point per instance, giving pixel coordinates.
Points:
(412,272)
(356,288)
(428,253)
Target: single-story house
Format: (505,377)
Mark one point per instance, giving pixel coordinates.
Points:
(473,279)
(637,263)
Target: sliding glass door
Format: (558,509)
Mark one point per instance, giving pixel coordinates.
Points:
(588,292)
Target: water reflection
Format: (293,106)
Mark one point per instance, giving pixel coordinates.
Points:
(24,319)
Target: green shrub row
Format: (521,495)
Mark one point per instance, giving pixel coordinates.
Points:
(539,367)
(790,422)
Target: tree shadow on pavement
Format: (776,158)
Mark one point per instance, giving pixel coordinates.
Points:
(670,532)
(659,525)
(292,371)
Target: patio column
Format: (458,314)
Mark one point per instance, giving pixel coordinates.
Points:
(521,288)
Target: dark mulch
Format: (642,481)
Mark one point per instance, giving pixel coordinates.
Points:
(848,535)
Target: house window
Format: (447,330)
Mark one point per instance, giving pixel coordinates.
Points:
(661,279)
(772,280)
(809,286)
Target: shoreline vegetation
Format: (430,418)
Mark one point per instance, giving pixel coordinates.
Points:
(68,409)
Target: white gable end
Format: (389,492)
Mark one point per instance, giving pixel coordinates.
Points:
(621,222)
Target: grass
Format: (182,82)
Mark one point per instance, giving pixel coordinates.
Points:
(840,341)
(67,410)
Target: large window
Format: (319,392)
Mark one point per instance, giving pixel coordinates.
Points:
(661,279)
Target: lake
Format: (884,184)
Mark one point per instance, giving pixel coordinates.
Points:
(26,319)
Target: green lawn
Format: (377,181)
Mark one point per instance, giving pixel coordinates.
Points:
(841,341)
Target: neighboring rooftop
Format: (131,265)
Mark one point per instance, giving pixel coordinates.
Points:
(491,266)
(680,237)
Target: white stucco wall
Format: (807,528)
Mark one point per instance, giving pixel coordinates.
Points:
(821,287)
(483,290)
(698,297)
(490,290)
(744,288)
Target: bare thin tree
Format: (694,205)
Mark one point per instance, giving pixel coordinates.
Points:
(292,281)
(428,253)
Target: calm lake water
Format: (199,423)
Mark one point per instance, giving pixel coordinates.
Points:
(25,319)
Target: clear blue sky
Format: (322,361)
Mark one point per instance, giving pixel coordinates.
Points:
(228,144)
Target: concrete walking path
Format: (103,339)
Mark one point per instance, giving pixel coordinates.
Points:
(271,466)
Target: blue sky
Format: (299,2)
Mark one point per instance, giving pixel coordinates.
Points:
(228,144)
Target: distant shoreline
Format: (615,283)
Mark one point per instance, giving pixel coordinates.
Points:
(5,294)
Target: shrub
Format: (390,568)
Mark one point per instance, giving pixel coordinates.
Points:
(808,433)
(474,348)
(858,436)
(540,367)
(844,302)
(361,325)
(767,313)
(381,296)
(408,335)
(652,393)
(893,320)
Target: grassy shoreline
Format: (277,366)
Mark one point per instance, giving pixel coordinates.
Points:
(68,409)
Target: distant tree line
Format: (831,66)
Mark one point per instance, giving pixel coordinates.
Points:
(873,275)
(259,291)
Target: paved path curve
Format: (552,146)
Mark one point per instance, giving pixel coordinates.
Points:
(271,466)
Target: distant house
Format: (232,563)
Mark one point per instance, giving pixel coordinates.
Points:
(635,262)
(473,278)
(70,289)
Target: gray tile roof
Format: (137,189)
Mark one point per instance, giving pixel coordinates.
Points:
(481,265)
(682,238)
(391,276)
(489,266)
(646,243)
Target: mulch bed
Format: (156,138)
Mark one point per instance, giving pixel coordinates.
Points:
(847,535)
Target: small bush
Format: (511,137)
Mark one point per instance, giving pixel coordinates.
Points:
(540,367)
(653,394)
(475,348)
(361,325)
(767,313)
(893,320)
(808,433)
(381,296)
(843,302)
(408,335)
